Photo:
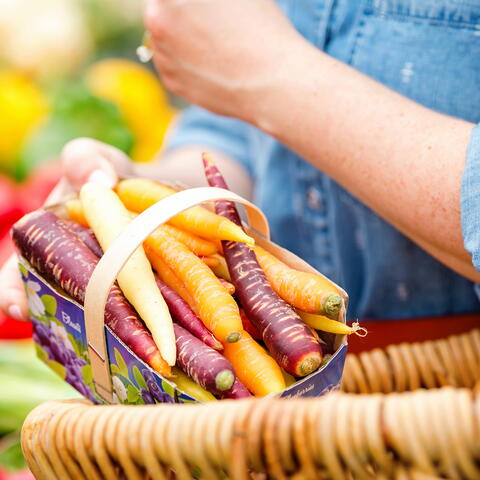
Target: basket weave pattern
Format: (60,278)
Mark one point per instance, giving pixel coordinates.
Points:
(425,434)
(453,361)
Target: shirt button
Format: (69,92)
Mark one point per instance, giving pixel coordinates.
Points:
(314,199)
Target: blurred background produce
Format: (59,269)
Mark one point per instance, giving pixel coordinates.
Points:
(68,68)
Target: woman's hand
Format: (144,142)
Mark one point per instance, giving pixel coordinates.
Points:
(220,54)
(82,160)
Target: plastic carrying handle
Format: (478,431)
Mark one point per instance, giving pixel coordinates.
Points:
(120,251)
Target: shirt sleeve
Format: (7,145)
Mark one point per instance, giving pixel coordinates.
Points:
(197,126)
(470,199)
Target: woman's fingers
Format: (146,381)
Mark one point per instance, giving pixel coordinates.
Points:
(85,159)
(13,301)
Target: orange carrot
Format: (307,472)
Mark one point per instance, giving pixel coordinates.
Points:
(139,194)
(215,307)
(211,262)
(75,211)
(167,275)
(306,291)
(254,367)
(197,245)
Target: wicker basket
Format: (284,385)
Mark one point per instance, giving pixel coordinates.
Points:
(424,434)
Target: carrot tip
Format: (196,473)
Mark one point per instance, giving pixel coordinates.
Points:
(250,241)
(233,337)
(160,366)
(216,345)
(224,380)
(325,360)
(309,365)
(332,304)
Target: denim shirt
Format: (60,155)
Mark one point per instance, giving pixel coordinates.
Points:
(427,50)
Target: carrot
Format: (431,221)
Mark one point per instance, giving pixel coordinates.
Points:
(237,390)
(206,366)
(289,379)
(210,261)
(305,291)
(167,275)
(197,245)
(229,287)
(108,217)
(59,255)
(139,194)
(86,236)
(75,212)
(249,326)
(221,270)
(320,322)
(285,335)
(183,315)
(188,386)
(254,367)
(215,307)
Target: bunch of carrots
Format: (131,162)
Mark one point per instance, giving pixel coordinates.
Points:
(199,302)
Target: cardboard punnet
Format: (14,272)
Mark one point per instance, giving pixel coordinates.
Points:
(74,341)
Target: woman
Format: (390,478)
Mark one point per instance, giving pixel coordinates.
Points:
(354,119)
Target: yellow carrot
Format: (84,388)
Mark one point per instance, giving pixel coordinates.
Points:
(75,212)
(320,322)
(108,217)
(254,367)
(289,379)
(188,386)
(215,307)
(306,291)
(139,194)
(221,270)
(197,245)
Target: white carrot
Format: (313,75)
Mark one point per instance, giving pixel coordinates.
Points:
(108,217)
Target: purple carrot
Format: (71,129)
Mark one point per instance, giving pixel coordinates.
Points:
(287,338)
(86,235)
(184,315)
(203,364)
(237,390)
(57,253)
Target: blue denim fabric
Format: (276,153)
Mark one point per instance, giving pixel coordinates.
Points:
(471,200)
(427,50)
